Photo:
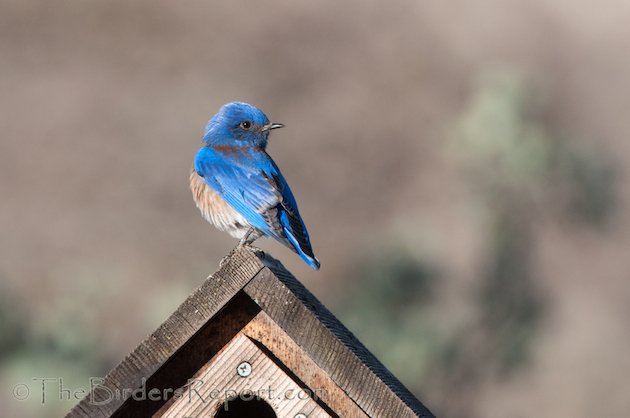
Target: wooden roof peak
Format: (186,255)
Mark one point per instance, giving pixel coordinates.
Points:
(248,282)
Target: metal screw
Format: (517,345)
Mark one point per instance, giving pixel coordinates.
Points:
(245,369)
(300,415)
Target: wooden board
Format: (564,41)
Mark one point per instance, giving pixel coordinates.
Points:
(269,335)
(219,381)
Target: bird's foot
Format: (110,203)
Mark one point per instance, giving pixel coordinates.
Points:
(251,235)
(258,251)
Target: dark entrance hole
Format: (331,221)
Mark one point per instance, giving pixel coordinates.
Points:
(245,407)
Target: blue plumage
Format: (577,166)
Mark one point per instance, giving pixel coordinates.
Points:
(235,165)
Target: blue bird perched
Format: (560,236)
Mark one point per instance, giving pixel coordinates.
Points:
(238,187)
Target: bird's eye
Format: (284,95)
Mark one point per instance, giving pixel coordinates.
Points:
(246,125)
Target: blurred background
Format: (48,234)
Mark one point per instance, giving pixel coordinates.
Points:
(463,169)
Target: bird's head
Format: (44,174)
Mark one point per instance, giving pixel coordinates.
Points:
(239,124)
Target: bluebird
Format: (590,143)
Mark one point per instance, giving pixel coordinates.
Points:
(238,187)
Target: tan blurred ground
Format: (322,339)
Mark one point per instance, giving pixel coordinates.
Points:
(103,105)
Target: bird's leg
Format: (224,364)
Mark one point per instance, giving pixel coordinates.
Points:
(250,236)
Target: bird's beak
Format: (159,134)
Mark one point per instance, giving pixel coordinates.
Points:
(271,126)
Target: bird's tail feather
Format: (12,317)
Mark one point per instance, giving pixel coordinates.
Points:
(311,260)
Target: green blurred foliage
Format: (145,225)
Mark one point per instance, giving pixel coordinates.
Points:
(59,346)
(591,178)
(501,140)
(11,330)
(498,137)
(511,307)
(519,169)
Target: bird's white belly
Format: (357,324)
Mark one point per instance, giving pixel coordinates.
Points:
(216,210)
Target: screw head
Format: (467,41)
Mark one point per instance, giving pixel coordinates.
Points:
(300,415)
(244,369)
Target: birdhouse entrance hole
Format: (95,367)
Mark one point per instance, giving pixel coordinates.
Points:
(245,408)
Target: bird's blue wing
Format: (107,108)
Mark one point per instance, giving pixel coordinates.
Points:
(254,186)
(240,185)
(291,222)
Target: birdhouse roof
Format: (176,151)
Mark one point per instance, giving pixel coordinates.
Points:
(252,304)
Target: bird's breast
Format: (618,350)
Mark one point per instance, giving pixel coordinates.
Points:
(215,209)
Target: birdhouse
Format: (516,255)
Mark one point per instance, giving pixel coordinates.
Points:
(250,342)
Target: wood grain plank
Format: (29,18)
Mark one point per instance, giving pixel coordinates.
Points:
(268,334)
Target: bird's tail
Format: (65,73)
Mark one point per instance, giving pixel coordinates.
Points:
(309,258)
